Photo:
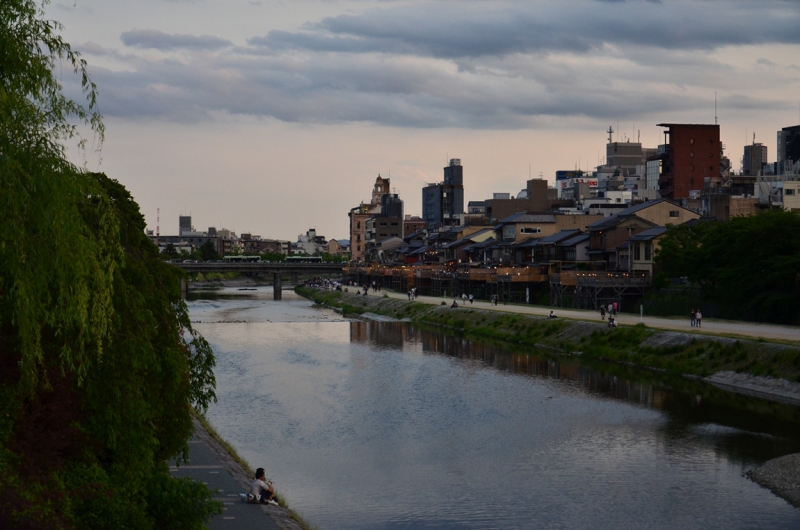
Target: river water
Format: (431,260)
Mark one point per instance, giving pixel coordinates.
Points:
(386,426)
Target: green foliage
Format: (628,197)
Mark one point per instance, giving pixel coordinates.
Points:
(99,365)
(748,267)
(208,252)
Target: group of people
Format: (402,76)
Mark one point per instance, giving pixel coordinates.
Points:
(612,312)
(611,309)
(696,318)
(412,293)
(464,298)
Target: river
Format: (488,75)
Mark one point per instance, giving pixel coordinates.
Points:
(386,426)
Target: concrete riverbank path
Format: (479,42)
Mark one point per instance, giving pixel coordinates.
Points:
(211,464)
(750,330)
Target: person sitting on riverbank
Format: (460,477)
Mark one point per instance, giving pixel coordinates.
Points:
(612,322)
(455,304)
(262,492)
(552,315)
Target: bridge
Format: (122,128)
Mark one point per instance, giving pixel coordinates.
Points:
(276,268)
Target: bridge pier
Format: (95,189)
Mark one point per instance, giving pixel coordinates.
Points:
(276,286)
(184,288)
(294,277)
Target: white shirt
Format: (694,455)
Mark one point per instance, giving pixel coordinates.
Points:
(257,486)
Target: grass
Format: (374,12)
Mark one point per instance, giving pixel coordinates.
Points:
(702,356)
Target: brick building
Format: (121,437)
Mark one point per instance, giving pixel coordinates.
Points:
(690,154)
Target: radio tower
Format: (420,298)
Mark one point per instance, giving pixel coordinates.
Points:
(158,222)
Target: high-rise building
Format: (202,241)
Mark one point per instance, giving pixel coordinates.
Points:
(691,154)
(755,156)
(788,147)
(443,203)
(184,224)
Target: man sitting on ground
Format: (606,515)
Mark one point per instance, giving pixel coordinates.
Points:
(262,492)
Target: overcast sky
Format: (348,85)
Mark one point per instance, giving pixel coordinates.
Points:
(273,117)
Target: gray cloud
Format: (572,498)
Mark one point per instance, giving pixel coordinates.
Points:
(148,38)
(502,28)
(490,65)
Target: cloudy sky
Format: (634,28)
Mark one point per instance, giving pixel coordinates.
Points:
(273,117)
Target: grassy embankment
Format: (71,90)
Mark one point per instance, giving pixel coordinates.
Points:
(249,470)
(672,352)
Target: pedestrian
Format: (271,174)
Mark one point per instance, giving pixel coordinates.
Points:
(471,298)
(698,318)
(602,312)
(409,295)
(615,308)
(693,317)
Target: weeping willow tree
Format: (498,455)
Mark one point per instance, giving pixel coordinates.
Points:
(99,365)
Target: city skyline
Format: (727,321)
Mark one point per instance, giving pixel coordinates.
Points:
(271,118)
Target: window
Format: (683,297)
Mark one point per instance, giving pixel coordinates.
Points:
(674,213)
(788,192)
(358,224)
(637,252)
(648,251)
(530,230)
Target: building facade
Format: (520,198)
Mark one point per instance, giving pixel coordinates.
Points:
(691,154)
(443,203)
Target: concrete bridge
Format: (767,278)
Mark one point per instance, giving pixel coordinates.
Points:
(276,268)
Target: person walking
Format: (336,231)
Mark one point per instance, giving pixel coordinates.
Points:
(693,317)
(698,318)
(602,312)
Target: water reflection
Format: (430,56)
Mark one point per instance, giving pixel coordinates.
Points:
(744,428)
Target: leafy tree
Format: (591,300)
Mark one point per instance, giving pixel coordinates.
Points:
(208,252)
(170,251)
(747,266)
(99,365)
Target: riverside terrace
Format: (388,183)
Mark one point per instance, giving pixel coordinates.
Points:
(278,269)
(565,288)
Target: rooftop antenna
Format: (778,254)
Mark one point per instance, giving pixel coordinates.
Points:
(638,137)
(715,108)
(158,222)
(610,131)
(529,171)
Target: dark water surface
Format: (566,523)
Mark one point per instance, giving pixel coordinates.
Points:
(374,425)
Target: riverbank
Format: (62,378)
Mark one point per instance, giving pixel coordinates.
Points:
(209,454)
(754,367)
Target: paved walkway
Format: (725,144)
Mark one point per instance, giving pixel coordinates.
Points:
(750,330)
(211,464)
